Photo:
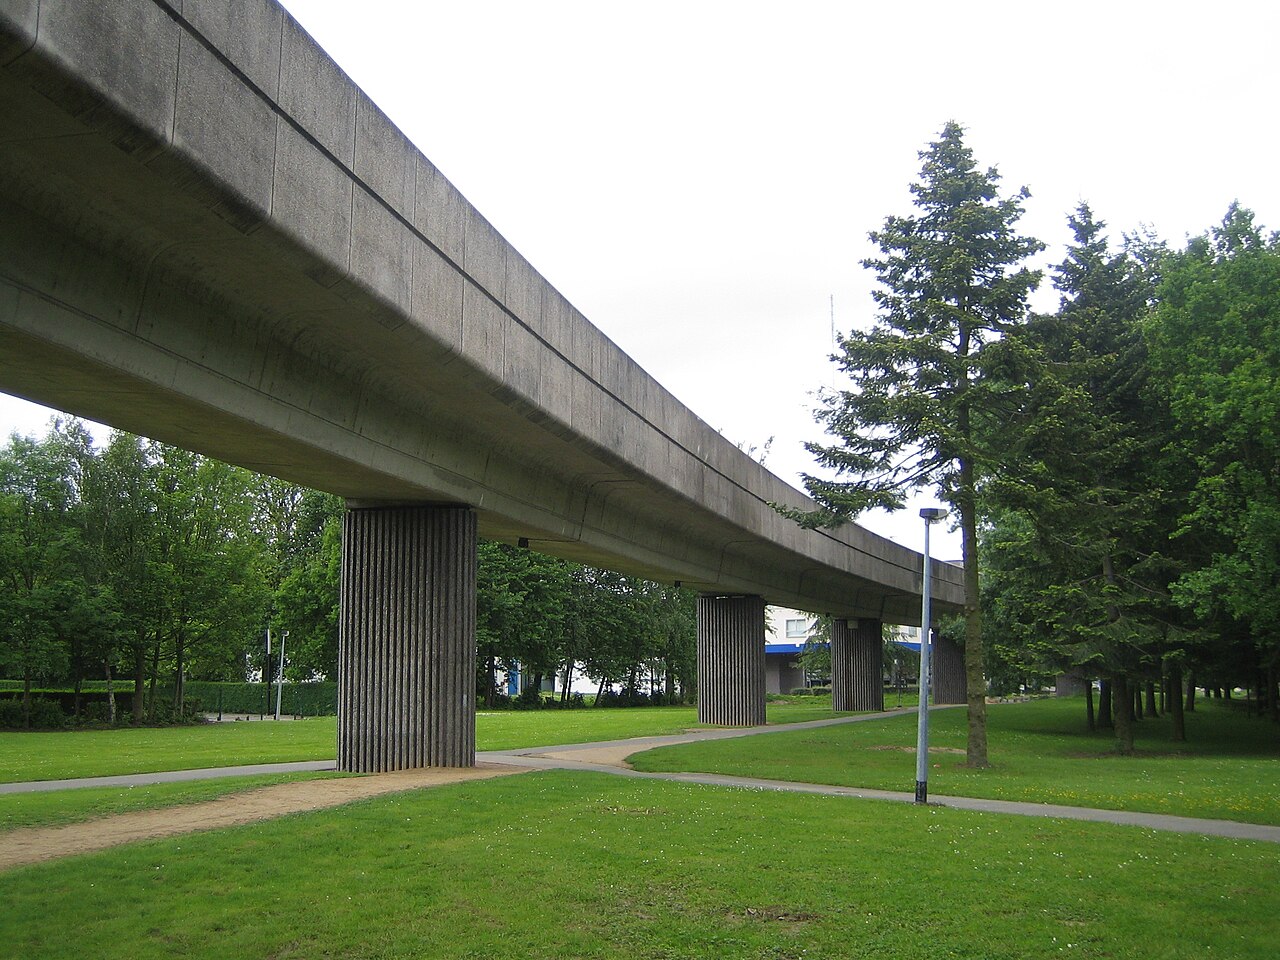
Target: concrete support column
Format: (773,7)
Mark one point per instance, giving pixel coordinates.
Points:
(731,661)
(949,684)
(857,665)
(1071,684)
(407,639)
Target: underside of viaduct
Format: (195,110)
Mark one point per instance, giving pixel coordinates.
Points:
(209,235)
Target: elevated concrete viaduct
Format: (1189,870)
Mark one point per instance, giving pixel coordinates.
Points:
(209,235)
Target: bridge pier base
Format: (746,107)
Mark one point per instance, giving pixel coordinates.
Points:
(731,661)
(857,665)
(407,639)
(949,685)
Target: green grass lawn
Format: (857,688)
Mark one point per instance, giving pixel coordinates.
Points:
(97,753)
(562,864)
(1228,769)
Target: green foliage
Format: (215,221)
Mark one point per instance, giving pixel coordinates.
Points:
(1215,346)
(543,615)
(307,699)
(933,366)
(39,713)
(932,376)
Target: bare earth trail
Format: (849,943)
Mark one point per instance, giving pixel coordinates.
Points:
(37,844)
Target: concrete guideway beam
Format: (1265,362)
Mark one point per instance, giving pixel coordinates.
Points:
(407,639)
(857,665)
(731,661)
(210,236)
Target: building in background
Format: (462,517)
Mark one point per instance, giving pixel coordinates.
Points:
(785,633)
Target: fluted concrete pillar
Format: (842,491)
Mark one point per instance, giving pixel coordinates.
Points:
(857,665)
(407,639)
(948,671)
(731,661)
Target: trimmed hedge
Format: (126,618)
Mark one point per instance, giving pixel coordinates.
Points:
(312,699)
(57,704)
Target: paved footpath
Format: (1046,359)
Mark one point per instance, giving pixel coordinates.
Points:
(609,757)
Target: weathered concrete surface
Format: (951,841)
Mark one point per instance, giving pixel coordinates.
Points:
(731,661)
(407,639)
(209,235)
(857,665)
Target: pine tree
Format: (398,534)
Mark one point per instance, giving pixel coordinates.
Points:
(932,373)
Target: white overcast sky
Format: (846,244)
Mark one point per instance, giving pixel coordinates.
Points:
(699,177)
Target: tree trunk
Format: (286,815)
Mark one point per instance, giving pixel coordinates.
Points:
(491,685)
(599,692)
(975,680)
(26,697)
(1122,714)
(1191,693)
(1152,711)
(1104,706)
(75,708)
(1226,693)
(1090,723)
(1175,703)
(1135,702)
(139,679)
(568,681)
(1273,692)
(155,672)
(180,653)
(1164,694)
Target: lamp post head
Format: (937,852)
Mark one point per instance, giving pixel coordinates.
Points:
(932,514)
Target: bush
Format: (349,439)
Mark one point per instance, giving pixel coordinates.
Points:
(45,715)
(310,699)
(530,698)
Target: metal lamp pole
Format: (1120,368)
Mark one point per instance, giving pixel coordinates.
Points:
(284,634)
(931,515)
(266,678)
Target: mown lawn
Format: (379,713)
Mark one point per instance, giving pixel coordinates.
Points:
(98,753)
(562,864)
(1229,768)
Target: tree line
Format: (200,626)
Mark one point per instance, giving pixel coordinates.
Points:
(1113,465)
(144,565)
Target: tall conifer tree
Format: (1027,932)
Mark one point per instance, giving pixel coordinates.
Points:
(929,375)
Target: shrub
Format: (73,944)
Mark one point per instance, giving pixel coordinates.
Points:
(45,715)
(530,698)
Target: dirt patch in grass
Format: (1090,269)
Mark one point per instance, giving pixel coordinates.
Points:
(36,844)
(779,915)
(611,756)
(953,750)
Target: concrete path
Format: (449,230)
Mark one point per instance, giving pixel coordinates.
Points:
(1149,821)
(168,776)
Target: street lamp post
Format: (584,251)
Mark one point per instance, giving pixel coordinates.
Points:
(284,634)
(931,515)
